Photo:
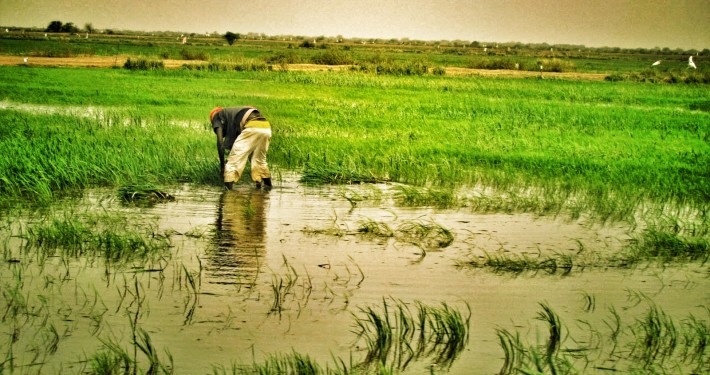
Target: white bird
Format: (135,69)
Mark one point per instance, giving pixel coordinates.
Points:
(656,63)
(26,59)
(691,63)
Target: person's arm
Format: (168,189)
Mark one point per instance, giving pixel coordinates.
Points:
(220,149)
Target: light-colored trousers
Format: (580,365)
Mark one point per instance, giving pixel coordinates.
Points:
(252,142)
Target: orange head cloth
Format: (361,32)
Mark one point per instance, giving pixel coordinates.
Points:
(214,111)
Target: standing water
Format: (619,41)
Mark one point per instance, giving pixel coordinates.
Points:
(249,274)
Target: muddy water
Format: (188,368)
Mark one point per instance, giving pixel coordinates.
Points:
(239,246)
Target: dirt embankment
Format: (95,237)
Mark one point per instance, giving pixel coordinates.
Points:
(110,61)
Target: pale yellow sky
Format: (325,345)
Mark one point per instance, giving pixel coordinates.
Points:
(595,23)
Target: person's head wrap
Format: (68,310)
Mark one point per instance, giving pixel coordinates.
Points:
(214,111)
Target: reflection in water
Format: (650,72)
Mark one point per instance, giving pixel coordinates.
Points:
(239,239)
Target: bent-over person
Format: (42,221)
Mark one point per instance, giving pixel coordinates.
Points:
(244,132)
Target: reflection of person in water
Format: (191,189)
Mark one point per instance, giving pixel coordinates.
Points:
(240,236)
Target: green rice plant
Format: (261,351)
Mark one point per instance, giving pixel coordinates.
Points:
(513,350)
(659,337)
(328,174)
(155,364)
(589,301)
(192,299)
(414,196)
(73,238)
(516,263)
(374,228)
(696,337)
(143,194)
(112,359)
(666,246)
(526,358)
(293,363)
(283,287)
(396,336)
(555,338)
(428,235)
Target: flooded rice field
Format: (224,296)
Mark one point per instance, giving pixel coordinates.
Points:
(250,274)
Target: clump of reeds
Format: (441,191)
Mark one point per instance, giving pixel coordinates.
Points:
(653,343)
(667,246)
(330,174)
(396,334)
(74,238)
(436,197)
(143,64)
(293,363)
(426,235)
(143,194)
(522,263)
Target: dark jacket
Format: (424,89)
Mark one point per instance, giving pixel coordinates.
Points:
(229,119)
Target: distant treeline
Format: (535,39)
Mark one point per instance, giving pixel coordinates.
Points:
(69,27)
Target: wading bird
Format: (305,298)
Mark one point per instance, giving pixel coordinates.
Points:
(691,63)
(656,63)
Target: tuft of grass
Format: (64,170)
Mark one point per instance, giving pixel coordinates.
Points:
(396,335)
(669,246)
(73,238)
(143,64)
(293,363)
(336,175)
(436,197)
(522,263)
(143,194)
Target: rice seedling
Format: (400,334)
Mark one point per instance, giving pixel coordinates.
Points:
(283,287)
(192,298)
(522,263)
(293,363)
(428,235)
(329,174)
(413,196)
(156,366)
(663,246)
(659,337)
(513,350)
(589,301)
(373,228)
(143,194)
(73,238)
(396,336)
(696,337)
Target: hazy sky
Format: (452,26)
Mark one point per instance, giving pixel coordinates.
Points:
(595,23)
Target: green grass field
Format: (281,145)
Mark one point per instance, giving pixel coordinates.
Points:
(611,139)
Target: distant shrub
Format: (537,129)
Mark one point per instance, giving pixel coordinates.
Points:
(408,68)
(284,58)
(333,57)
(143,64)
(493,63)
(557,65)
(307,44)
(439,71)
(194,55)
(245,66)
